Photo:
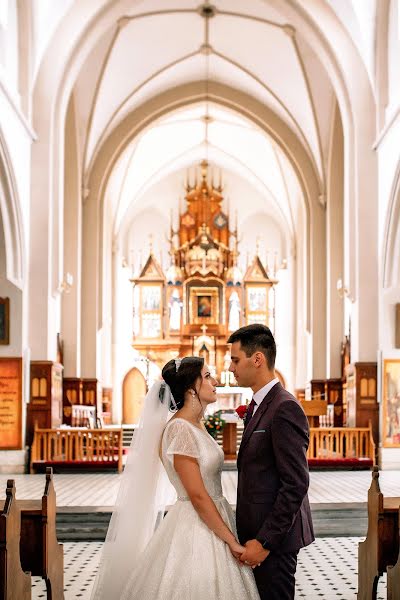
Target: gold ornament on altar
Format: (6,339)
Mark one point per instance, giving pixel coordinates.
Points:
(203,295)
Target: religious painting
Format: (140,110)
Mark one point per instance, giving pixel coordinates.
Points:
(256,299)
(151,325)
(4,321)
(204,306)
(151,297)
(391,403)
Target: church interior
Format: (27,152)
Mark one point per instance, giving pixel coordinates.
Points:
(172,170)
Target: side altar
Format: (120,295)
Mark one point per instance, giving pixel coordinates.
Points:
(203,296)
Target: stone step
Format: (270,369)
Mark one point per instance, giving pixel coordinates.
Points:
(82,524)
(340,520)
(330,520)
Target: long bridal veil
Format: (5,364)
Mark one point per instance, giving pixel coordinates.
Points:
(141,498)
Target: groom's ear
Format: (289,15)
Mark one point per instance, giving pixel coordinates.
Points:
(259,359)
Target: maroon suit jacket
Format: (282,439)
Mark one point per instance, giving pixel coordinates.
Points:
(273,478)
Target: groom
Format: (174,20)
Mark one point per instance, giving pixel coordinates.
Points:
(273,513)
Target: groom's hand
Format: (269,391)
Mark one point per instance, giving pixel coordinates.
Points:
(254,554)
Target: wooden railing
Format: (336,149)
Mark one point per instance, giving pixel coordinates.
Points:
(102,447)
(341,443)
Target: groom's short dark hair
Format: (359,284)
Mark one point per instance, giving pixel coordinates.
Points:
(256,337)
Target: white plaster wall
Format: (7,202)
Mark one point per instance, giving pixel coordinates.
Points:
(8,290)
(388,160)
(389,283)
(262,230)
(285,300)
(257,217)
(18,138)
(9,44)
(358,17)
(123,353)
(47,15)
(393,59)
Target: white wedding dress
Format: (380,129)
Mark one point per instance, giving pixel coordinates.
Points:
(184,559)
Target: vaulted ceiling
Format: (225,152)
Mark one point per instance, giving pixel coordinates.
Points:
(151,46)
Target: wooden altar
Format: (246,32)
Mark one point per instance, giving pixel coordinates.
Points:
(202,297)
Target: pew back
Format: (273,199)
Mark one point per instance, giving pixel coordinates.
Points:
(14,583)
(381,546)
(40,551)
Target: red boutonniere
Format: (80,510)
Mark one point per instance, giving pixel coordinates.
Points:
(241,411)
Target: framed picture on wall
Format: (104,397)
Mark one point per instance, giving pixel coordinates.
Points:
(391,403)
(4,321)
(204,305)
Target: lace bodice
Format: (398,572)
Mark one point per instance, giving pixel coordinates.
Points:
(181,437)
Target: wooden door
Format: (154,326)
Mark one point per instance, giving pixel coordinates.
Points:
(133,393)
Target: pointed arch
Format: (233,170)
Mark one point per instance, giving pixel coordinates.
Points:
(391,238)
(12,219)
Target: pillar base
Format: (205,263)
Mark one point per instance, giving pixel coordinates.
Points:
(13,461)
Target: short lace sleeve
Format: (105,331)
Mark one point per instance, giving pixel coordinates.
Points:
(179,438)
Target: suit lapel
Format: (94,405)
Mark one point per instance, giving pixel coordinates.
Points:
(255,419)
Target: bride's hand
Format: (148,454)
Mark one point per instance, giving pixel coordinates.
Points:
(236,549)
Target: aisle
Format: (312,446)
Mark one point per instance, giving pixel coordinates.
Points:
(327,570)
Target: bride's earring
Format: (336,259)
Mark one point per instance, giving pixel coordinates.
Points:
(193,397)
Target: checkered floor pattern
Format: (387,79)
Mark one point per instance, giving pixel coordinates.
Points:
(327,569)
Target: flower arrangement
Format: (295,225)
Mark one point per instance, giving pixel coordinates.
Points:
(214,424)
(241,411)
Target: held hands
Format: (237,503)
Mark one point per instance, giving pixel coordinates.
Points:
(236,549)
(254,554)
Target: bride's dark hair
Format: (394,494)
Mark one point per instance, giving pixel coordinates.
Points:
(181,380)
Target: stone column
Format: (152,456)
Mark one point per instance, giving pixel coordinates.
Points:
(71,297)
(334,249)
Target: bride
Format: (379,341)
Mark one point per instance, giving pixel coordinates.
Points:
(193,554)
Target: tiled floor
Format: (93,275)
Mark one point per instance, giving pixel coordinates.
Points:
(100,489)
(327,569)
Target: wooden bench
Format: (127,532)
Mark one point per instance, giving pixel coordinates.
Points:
(381,546)
(15,584)
(393,576)
(39,549)
(76,448)
(341,447)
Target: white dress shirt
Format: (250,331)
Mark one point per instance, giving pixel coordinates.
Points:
(260,395)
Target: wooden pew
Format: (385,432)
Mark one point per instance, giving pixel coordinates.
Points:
(381,546)
(40,551)
(393,577)
(14,583)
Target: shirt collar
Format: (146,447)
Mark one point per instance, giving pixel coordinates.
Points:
(260,395)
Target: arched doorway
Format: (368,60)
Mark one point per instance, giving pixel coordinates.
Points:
(133,393)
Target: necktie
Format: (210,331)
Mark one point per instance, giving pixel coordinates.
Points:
(249,412)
